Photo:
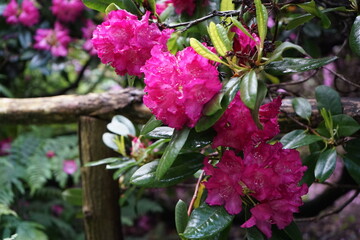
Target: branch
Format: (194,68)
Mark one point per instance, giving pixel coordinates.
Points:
(294,82)
(342,77)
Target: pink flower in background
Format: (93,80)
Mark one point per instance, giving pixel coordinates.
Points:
(67,10)
(50,154)
(244,45)
(178,86)
(57,209)
(54,40)
(160,7)
(70,166)
(187,6)
(5,146)
(27,14)
(125,43)
(87,32)
(328,76)
(267,174)
(236,127)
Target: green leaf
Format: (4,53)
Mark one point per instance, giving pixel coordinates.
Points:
(345,125)
(109,140)
(161,132)
(5,91)
(261,94)
(172,150)
(151,124)
(248,89)
(311,8)
(283,47)
(205,221)
(111,7)
(310,161)
(241,27)
(354,38)
(325,165)
(121,126)
(329,99)
(254,234)
(302,107)
(181,217)
(218,36)
(152,5)
(230,89)
(101,5)
(103,161)
(293,231)
(122,164)
(352,159)
(295,65)
(5,210)
(184,166)
(227,5)
(298,21)
(199,139)
(298,138)
(261,18)
(204,51)
(73,196)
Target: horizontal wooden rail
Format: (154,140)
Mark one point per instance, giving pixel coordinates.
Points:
(128,102)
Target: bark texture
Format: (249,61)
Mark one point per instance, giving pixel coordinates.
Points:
(100,191)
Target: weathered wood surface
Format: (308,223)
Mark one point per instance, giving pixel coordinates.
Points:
(128,102)
(100,191)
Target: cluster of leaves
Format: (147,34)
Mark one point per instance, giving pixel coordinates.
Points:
(179,153)
(31,203)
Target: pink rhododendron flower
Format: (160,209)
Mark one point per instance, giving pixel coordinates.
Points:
(54,40)
(87,32)
(267,174)
(244,46)
(67,10)
(178,86)
(236,127)
(187,6)
(70,166)
(50,154)
(57,209)
(160,7)
(5,146)
(27,14)
(125,42)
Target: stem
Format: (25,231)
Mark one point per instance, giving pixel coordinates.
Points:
(191,206)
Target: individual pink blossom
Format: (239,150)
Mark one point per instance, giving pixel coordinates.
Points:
(236,127)
(54,40)
(125,42)
(187,6)
(137,148)
(70,166)
(178,86)
(50,154)
(244,46)
(266,178)
(5,146)
(57,209)
(27,14)
(87,32)
(67,10)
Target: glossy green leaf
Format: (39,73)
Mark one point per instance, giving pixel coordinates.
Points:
(101,5)
(311,8)
(241,27)
(295,65)
(293,231)
(298,138)
(302,107)
(227,5)
(230,88)
(151,124)
(204,51)
(352,159)
(220,42)
(260,96)
(254,234)
(73,196)
(161,132)
(248,89)
(206,221)
(298,21)
(329,99)
(111,7)
(261,19)
(109,140)
(354,38)
(184,166)
(121,164)
(101,162)
(277,54)
(181,217)
(199,139)
(325,165)
(345,125)
(121,126)
(310,162)
(152,5)
(171,152)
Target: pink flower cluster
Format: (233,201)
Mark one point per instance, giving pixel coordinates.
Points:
(236,127)
(266,178)
(54,40)
(244,46)
(125,42)
(178,86)
(87,32)
(67,10)
(27,14)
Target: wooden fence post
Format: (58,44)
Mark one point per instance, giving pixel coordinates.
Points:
(100,192)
